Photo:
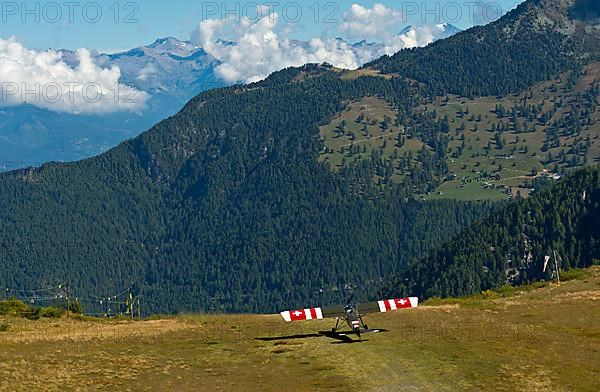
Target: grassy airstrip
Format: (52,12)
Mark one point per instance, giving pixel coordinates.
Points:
(532,338)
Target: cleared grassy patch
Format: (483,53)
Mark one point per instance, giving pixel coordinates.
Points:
(367,127)
(509,150)
(497,146)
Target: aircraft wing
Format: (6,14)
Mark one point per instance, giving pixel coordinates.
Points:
(388,305)
(338,311)
(312,313)
(334,311)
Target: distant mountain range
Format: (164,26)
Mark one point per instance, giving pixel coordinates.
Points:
(171,71)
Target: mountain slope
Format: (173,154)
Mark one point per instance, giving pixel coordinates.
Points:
(510,246)
(225,200)
(226,205)
(542,119)
(504,56)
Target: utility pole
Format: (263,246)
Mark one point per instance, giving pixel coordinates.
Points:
(68,300)
(131,302)
(556,266)
(127,304)
(108,299)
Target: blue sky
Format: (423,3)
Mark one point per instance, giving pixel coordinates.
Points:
(111,25)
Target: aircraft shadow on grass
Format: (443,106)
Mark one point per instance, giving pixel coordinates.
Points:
(341,337)
(289,337)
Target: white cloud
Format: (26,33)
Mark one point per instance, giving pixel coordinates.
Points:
(146,72)
(366,23)
(43,79)
(249,52)
(414,37)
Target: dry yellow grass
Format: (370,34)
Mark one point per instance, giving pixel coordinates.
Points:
(545,339)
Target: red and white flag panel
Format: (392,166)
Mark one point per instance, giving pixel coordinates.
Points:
(387,305)
(302,314)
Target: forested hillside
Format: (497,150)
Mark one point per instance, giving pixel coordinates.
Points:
(224,206)
(238,203)
(510,246)
(504,56)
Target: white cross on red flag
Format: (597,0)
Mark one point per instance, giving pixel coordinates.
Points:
(302,314)
(387,305)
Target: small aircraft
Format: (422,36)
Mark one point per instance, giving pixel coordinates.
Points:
(352,314)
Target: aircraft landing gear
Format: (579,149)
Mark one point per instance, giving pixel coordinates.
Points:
(337,324)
